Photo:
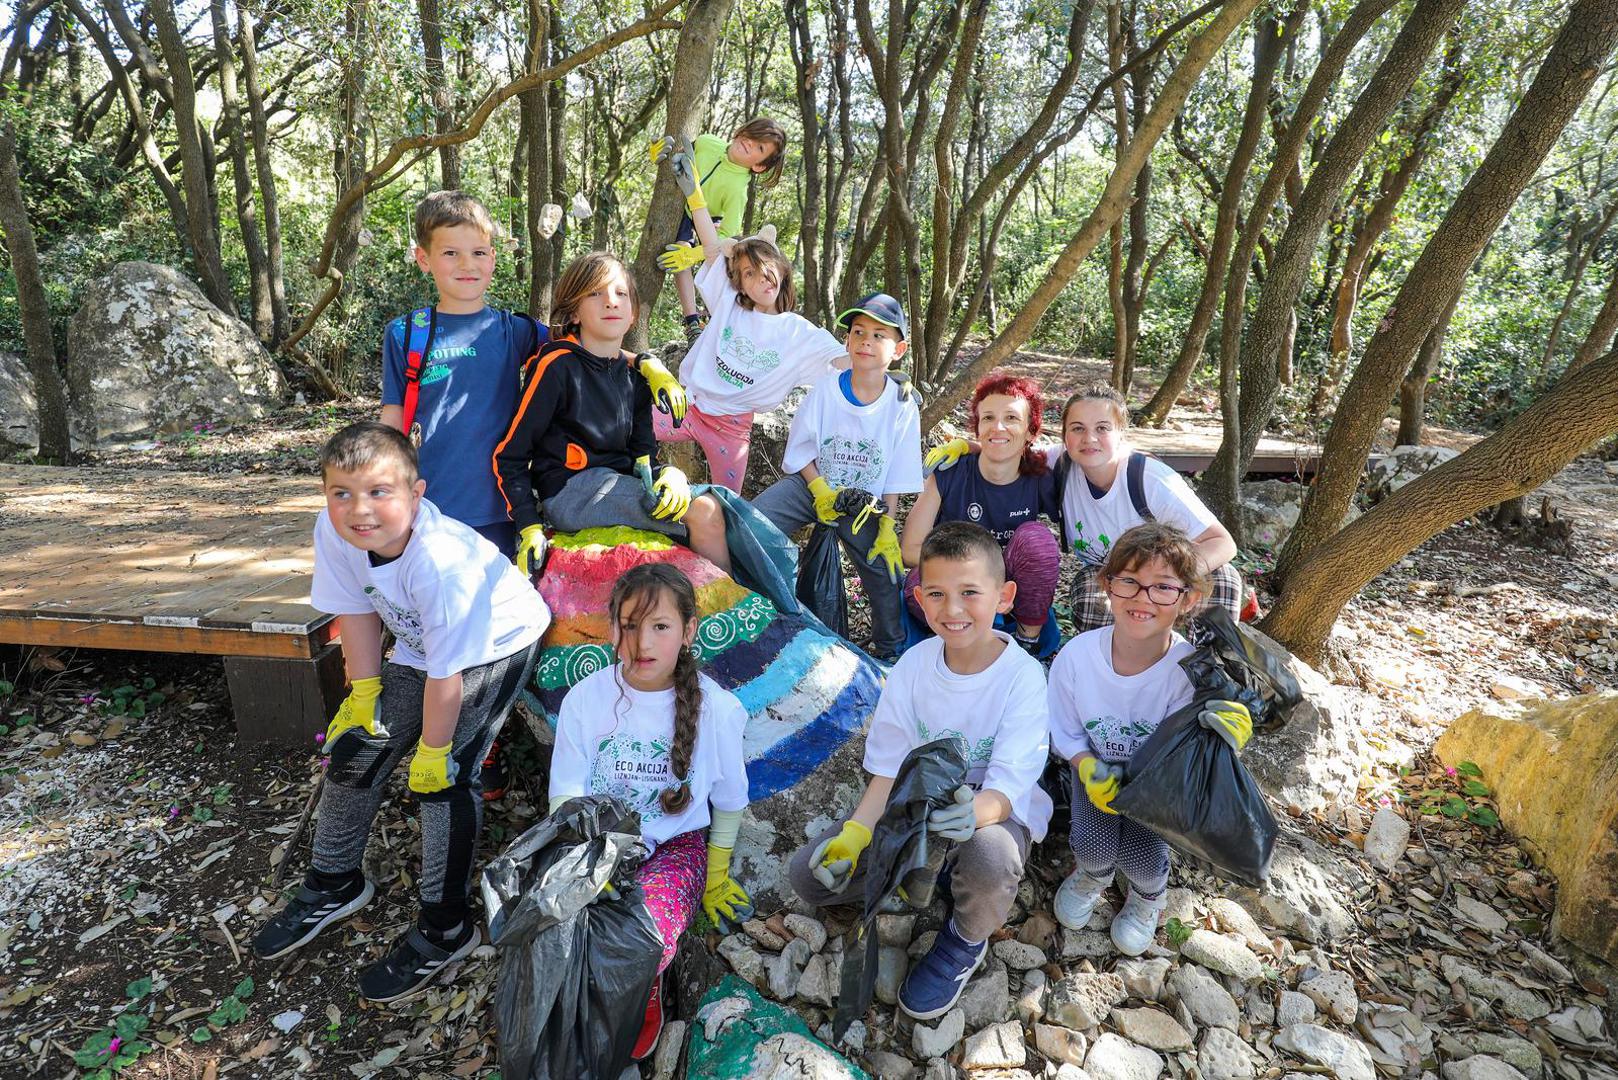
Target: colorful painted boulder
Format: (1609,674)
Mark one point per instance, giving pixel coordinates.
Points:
(809,694)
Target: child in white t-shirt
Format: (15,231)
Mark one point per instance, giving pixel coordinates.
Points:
(665,740)
(1109,690)
(973,684)
(466,626)
(856,431)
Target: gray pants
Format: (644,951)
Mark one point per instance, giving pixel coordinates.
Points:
(789,506)
(987,871)
(601,498)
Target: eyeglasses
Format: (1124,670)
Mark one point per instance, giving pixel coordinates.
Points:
(1162,593)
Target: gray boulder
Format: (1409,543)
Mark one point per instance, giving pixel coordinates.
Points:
(148,354)
(19,413)
(1307,892)
(1403,464)
(1313,761)
(1270,509)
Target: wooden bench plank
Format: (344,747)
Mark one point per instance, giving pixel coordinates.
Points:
(145,637)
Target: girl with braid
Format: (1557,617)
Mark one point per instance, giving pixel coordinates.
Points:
(666,740)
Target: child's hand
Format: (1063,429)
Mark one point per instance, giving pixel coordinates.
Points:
(673,494)
(957,821)
(886,548)
(825,500)
(358,710)
(643,473)
(660,148)
(726,903)
(1101,782)
(531,550)
(666,389)
(684,164)
(833,862)
(432,769)
(679,257)
(943,458)
(1230,720)
(906,389)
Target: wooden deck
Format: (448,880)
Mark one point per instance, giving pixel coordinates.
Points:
(1191,451)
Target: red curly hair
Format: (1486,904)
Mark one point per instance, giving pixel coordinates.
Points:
(1003,382)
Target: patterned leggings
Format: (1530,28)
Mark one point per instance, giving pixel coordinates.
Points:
(672,881)
(1103,843)
(725,441)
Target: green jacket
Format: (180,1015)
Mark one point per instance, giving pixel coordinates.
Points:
(724,183)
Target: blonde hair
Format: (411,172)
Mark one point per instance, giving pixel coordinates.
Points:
(1099,392)
(583,276)
(764,130)
(443,209)
(769,260)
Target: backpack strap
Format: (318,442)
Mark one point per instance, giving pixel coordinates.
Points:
(539,343)
(1135,480)
(418,347)
(1061,470)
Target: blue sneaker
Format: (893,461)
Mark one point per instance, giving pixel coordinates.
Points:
(934,985)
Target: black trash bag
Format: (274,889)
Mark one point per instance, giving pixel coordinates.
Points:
(820,580)
(901,854)
(574,975)
(1186,783)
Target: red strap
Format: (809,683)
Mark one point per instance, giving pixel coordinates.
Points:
(412,389)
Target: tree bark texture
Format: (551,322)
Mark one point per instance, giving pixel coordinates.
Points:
(1413,389)
(282,319)
(432,40)
(258,263)
(352,139)
(1599,338)
(1558,89)
(535,109)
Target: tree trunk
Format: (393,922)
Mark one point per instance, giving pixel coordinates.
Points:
(687,109)
(202,210)
(556,117)
(1601,331)
(258,263)
(535,106)
(432,40)
(1559,87)
(1268,39)
(1413,389)
(281,319)
(352,141)
(1581,262)
(1109,208)
(1260,385)
(1579,411)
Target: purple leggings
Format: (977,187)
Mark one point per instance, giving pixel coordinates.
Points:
(1033,561)
(672,881)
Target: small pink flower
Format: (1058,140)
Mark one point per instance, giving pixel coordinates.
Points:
(88,699)
(1449,770)
(320,737)
(1384,801)
(112,1047)
(174,812)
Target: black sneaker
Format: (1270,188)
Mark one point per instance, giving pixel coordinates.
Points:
(308,913)
(412,963)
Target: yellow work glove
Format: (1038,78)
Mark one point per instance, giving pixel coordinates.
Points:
(1101,782)
(944,457)
(531,550)
(673,494)
(684,164)
(833,862)
(358,710)
(726,903)
(886,548)
(825,500)
(680,256)
(432,769)
(667,392)
(1230,720)
(659,148)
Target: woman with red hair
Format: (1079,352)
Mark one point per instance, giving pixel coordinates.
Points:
(1003,486)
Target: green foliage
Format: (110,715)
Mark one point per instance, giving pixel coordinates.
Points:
(1177,932)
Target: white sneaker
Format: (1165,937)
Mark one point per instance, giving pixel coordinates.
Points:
(1135,925)
(1076,899)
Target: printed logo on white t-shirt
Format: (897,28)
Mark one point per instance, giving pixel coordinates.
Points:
(977,753)
(1115,738)
(745,360)
(405,624)
(849,462)
(633,769)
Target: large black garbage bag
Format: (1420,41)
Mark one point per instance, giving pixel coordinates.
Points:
(574,975)
(820,580)
(1186,783)
(901,853)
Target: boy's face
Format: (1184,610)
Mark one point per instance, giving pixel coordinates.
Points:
(1090,433)
(373,506)
(961,597)
(872,345)
(749,153)
(606,313)
(461,260)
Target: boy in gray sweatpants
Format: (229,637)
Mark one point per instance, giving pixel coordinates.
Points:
(971,683)
(466,629)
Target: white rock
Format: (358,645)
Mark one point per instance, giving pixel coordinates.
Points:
(1060,1044)
(1385,840)
(1017,955)
(1077,944)
(1116,1058)
(1231,918)
(1223,954)
(1579,1025)
(1512,688)
(853,1039)
(936,1040)
(1542,961)
(743,959)
(1333,991)
(820,981)
(1152,1028)
(789,1054)
(1348,1059)
(785,969)
(1144,978)
(1083,1000)
(1293,1008)
(986,999)
(1516,1052)
(1209,1003)
(998,1046)
(885,1065)
(1030,1004)
(891,965)
(1067,1072)
(810,930)
(669,1045)
(1223,1056)
(939,1069)
(1480,1067)
(285,1022)
(1479,914)
(895,930)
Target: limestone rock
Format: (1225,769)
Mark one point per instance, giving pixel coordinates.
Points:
(1347,1058)
(1292,1007)
(148,353)
(885,1065)
(1270,509)
(1518,1053)
(1116,1058)
(1223,1056)
(1314,760)
(1209,1003)
(810,930)
(743,959)
(1479,914)
(1231,918)
(1516,1001)
(1067,1072)
(786,969)
(1081,1001)
(766,938)
(1223,954)
(998,1046)
(1152,1028)
(895,930)
(987,999)
(938,1069)
(1479,1067)
(1060,1044)
(1030,1004)
(1403,464)
(1385,840)
(936,1040)
(19,411)
(1017,955)
(1077,944)
(1552,769)
(1305,893)
(669,1045)
(790,1056)
(820,981)
(1333,991)
(1144,978)
(891,966)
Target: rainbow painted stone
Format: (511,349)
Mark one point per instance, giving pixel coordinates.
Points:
(809,694)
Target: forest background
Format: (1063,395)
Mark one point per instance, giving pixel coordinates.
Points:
(1327,211)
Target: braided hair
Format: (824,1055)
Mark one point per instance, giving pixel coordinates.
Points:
(634,595)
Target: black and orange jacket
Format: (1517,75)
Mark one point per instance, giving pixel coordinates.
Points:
(577,411)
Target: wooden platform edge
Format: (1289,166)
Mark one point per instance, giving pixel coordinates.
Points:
(291,643)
